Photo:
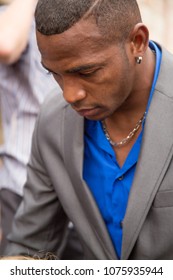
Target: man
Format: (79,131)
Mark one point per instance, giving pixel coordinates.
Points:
(102,152)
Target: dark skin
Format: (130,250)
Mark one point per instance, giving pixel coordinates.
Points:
(101,80)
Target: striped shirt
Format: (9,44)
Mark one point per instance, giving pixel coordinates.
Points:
(23,87)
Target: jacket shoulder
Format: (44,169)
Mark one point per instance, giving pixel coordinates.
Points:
(50,122)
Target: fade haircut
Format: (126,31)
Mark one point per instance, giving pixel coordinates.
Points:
(114,18)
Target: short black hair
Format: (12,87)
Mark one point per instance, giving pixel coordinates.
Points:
(114,18)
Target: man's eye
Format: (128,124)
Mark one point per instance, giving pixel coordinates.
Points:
(87,74)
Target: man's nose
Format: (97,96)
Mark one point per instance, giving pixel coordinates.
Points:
(73,90)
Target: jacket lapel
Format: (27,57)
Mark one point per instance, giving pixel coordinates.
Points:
(73,155)
(154,159)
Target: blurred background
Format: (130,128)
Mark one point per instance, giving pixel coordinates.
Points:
(158,16)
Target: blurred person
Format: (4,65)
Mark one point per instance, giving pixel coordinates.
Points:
(15,22)
(109,135)
(23,86)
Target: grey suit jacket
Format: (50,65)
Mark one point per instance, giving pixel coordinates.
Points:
(55,189)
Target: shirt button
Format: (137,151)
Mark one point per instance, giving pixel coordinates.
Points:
(121,178)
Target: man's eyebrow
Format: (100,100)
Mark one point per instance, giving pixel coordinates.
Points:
(75,69)
(81,68)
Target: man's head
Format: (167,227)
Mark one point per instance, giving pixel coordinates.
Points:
(114,18)
(90,48)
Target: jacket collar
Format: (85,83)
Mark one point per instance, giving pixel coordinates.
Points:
(74,150)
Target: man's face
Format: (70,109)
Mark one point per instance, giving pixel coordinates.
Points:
(96,77)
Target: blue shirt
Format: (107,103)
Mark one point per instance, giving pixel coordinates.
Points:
(109,183)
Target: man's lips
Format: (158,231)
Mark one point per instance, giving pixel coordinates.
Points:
(86,112)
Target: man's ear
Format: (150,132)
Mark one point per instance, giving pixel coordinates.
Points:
(139,39)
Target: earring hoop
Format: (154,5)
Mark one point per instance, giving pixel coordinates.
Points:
(138,59)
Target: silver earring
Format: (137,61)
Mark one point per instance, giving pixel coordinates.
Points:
(138,59)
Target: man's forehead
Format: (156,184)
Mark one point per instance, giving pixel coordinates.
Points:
(56,47)
(74,48)
(84,31)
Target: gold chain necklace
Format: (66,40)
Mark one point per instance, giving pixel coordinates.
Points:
(129,136)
